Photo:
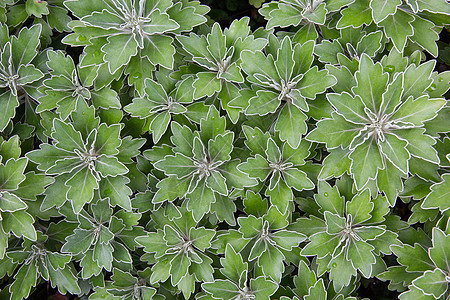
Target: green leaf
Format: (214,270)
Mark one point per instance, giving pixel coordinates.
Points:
(159,125)
(327,51)
(351,108)
(263,103)
(383,8)
(262,288)
(57,260)
(217,182)
(206,84)
(79,242)
(221,147)
(341,272)
(371,83)
(258,248)
(335,164)
(415,258)
(24,46)
(28,74)
(256,139)
(366,160)
(291,124)
(317,291)
(415,294)
(179,267)
(116,189)
(256,167)
(280,196)
(24,280)
(360,207)
(217,43)
(318,15)
(297,179)
(283,15)
(81,191)
(419,144)
(250,226)
(439,252)
(160,23)
(392,97)
(109,166)
(221,289)
(257,63)
(200,200)
(105,98)
(370,44)
(11,174)
(212,125)
(233,265)
(178,165)
(65,166)
(335,223)
(8,105)
(36,8)
(329,198)
(438,198)
(285,62)
(369,233)
(315,82)
(426,35)
(235,178)
(103,255)
(417,79)
(321,244)
(119,50)
(287,239)
(361,256)
(10,149)
(395,150)
(432,282)
(20,223)
(186,16)
(171,188)
(342,131)
(389,180)
(398,28)
(64,280)
(304,280)
(417,111)
(355,15)
(271,262)
(10,202)
(201,237)
(68,138)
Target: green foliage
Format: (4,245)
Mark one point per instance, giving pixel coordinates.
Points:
(149,152)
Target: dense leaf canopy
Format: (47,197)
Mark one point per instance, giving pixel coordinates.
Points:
(172,149)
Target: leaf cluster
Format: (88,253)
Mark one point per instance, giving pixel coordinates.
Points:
(149,152)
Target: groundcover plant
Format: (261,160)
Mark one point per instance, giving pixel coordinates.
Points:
(181,149)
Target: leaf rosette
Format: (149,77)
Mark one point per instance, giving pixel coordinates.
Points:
(216,59)
(278,165)
(70,83)
(201,167)
(125,29)
(379,123)
(18,74)
(347,236)
(283,80)
(84,157)
(17,187)
(180,246)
